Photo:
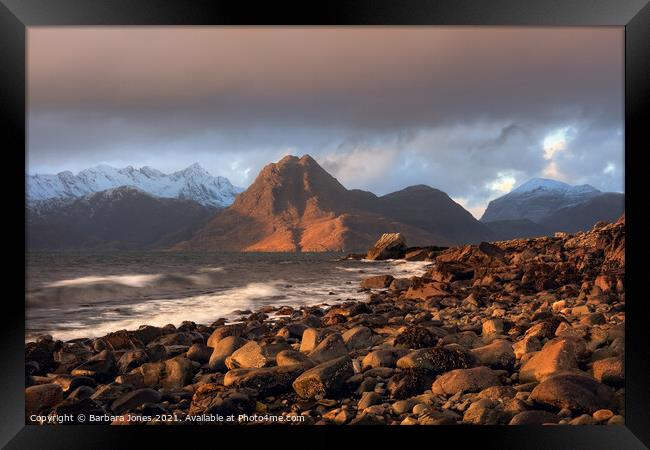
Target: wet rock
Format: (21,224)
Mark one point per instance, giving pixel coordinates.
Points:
(220,333)
(465,380)
(368,399)
(171,374)
(325,380)
(311,337)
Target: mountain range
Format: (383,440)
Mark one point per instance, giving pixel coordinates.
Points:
(293,205)
(192,183)
(545,206)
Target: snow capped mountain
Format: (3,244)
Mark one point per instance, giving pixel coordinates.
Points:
(192,183)
(537,198)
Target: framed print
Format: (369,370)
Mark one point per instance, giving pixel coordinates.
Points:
(411,215)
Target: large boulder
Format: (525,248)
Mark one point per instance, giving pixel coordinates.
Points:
(267,380)
(435,360)
(409,382)
(415,337)
(610,371)
(222,350)
(249,355)
(556,356)
(311,337)
(329,348)
(291,357)
(465,380)
(174,373)
(358,337)
(324,380)
(577,392)
(389,246)
(382,358)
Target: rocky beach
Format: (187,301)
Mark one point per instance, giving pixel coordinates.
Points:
(526,331)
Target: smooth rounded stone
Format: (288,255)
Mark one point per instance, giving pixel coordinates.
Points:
(382,358)
(576,392)
(41,397)
(409,382)
(132,359)
(358,337)
(171,374)
(311,337)
(435,360)
(100,367)
(492,327)
(616,420)
(498,392)
(602,415)
(415,337)
(291,357)
(223,332)
(432,417)
(610,371)
(498,354)
(377,282)
(212,398)
(481,412)
(534,417)
(526,345)
(324,380)
(331,347)
(199,352)
(147,333)
(132,400)
(403,406)
(81,392)
(584,419)
(368,399)
(292,330)
(465,380)
(556,356)
(222,350)
(267,380)
(249,355)
(420,408)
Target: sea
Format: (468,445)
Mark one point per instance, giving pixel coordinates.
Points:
(73,295)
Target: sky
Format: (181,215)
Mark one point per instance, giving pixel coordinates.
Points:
(473,111)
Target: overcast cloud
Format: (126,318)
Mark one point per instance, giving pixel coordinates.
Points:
(471,111)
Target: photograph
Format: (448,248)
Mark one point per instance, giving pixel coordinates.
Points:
(325,225)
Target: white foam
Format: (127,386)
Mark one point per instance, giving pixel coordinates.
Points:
(125,280)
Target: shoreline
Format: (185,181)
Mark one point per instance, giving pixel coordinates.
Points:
(515,332)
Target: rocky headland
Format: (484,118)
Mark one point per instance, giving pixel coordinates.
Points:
(527,331)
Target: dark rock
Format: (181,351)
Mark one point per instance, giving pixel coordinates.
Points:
(325,380)
(389,246)
(266,381)
(415,337)
(409,382)
(131,400)
(377,282)
(435,360)
(534,417)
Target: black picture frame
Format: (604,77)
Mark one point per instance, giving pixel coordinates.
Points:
(634,15)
